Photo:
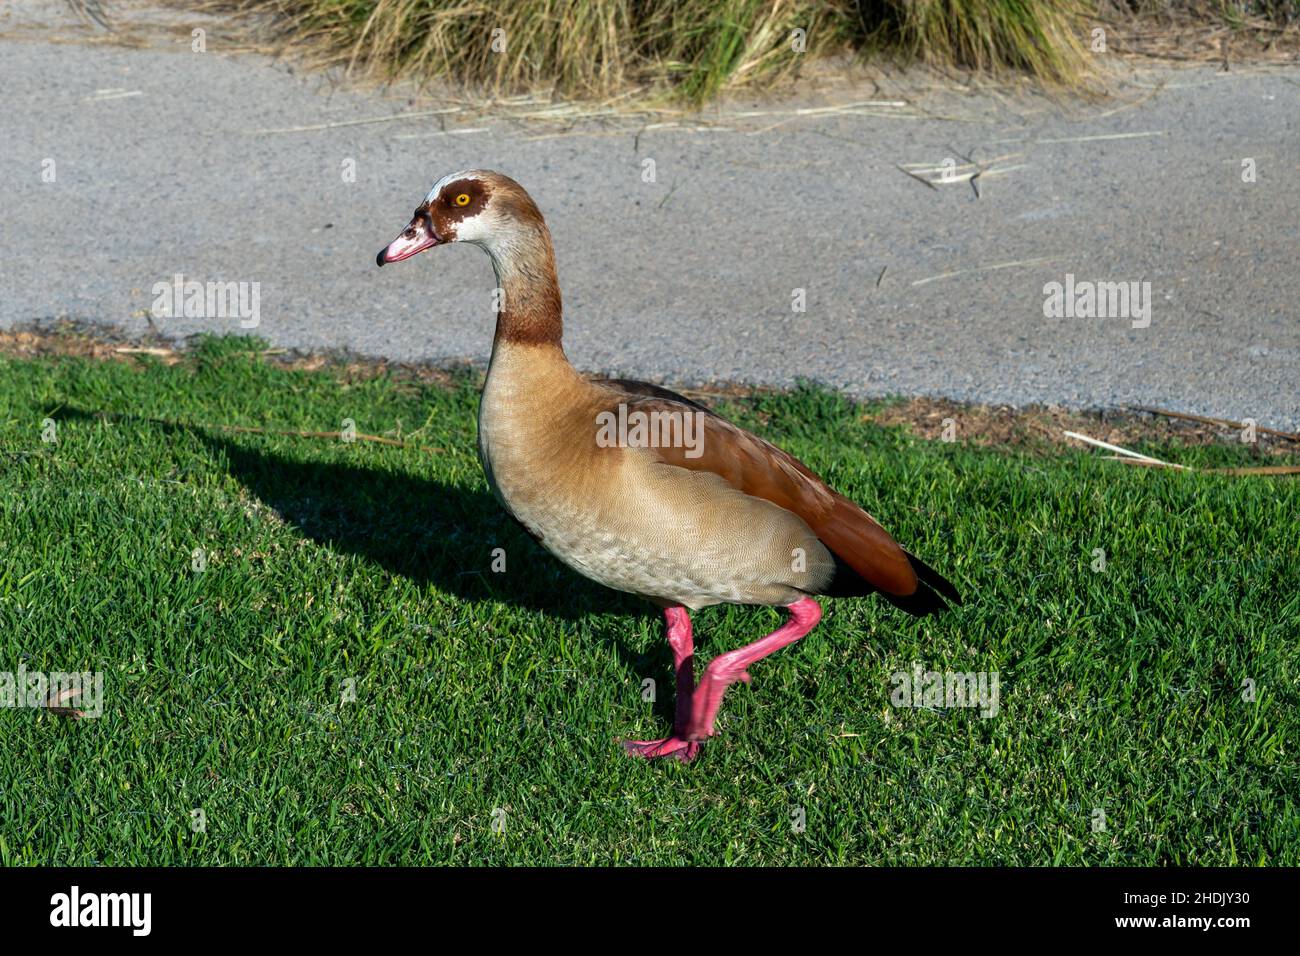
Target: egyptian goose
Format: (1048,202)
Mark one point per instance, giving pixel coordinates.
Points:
(706,514)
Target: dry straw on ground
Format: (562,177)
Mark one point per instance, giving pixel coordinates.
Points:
(685,51)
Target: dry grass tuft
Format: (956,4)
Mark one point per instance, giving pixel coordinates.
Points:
(1043,38)
(592,49)
(688,50)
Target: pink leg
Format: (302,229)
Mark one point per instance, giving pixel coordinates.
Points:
(725,669)
(680,640)
(697,707)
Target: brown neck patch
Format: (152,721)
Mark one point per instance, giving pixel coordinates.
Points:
(530,317)
(531,310)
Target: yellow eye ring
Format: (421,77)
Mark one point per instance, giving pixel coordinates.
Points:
(462,199)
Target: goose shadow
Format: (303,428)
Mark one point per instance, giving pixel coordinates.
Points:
(441,534)
(429,531)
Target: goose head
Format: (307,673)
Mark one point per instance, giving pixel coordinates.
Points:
(477,206)
(493,212)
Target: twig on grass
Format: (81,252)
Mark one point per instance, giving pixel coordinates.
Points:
(1130,457)
(1251,470)
(1223,422)
(160,352)
(284,432)
(1122,451)
(293,433)
(54,703)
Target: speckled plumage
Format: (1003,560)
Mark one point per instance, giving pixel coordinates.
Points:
(623,516)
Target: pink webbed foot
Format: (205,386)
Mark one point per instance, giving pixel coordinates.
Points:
(683,750)
(681,642)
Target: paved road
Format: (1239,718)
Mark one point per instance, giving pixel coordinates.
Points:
(164,166)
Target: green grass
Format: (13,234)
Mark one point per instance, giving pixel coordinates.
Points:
(583,48)
(688,50)
(479,692)
(1042,39)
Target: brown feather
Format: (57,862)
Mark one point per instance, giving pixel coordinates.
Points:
(758,468)
(662,521)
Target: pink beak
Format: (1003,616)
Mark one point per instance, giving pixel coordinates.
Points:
(417,237)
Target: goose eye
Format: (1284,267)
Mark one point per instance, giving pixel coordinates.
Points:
(462,199)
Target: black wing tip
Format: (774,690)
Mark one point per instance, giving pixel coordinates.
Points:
(933,595)
(933,592)
(922,602)
(928,575)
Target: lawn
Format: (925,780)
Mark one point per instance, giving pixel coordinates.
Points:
(348,680)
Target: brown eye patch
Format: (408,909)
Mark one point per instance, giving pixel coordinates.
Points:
(463,198)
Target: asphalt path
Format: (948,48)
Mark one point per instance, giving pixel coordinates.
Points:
(121,168)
